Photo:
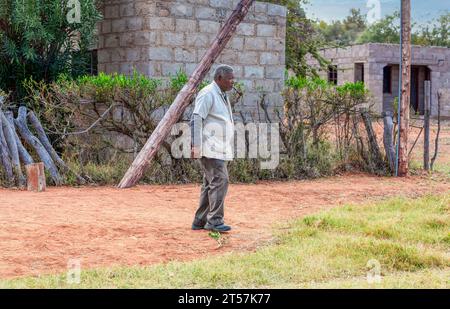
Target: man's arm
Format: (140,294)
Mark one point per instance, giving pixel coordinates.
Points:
(202,107)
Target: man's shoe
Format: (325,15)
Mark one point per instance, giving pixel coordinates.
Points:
(217,228)
(196,227)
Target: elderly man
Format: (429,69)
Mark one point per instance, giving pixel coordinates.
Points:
(213,135)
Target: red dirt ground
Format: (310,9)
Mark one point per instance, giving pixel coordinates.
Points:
(40,232)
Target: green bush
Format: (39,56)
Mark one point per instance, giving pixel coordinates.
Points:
(312,107)
(39,41)
(315,111)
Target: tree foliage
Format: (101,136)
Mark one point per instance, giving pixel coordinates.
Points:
(355,30)
(302,38)
(39,40)
(343,33)
(387,30)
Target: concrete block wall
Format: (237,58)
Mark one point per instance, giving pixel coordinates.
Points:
(445,102)
(159,38)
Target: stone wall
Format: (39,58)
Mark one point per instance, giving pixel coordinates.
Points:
(158,38)
(445,102)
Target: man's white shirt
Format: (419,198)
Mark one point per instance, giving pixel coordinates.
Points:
(218,126)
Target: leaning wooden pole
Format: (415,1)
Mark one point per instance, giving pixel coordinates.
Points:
(177,108)
(405,88)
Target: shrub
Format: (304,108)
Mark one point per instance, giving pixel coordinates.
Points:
(127,109)
(38,40)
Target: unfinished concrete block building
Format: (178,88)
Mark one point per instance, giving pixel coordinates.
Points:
(377,65)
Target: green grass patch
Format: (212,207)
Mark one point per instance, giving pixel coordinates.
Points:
(408,237)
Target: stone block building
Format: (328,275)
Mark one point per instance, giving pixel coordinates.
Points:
(377,65)
(159,38)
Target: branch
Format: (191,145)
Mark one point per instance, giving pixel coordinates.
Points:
(47,145)
(436,148)
(23,153)
(11,141)
(31,140)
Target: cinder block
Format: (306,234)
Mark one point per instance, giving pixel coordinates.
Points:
(161,23)
(277,10)
(172,39)
(185,55)
(127,9)
(197,40)
(182,10)
(253,72)
(169,69)
(186,25)
(246,29)
(248,57)
(205,13)
(146,68)
(144,8)
(266,30)
(269,58)
(260,7)
(258,44)
(160,53)
(112,40)
(275,44)
(236,43)
(126,68)
(266,85)
(221,4)
(117,54)
(106,26)
(207,26)
(118,25)
(135,23)
(112,11)
(103,56)
(112,68)
(133,54)
(275,72)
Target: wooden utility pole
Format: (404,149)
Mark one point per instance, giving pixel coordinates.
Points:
(177,108)
(405,87)
(426,125)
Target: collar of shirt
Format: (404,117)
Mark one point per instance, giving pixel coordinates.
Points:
(222,93)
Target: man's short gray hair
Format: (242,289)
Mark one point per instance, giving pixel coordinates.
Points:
(222,70)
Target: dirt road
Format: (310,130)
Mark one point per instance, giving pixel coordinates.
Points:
(40,232)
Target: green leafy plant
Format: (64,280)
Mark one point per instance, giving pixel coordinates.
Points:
(219,238)
(38,41)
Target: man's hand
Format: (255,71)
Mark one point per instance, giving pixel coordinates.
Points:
(195,152)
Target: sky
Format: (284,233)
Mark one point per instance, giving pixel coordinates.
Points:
(328,10)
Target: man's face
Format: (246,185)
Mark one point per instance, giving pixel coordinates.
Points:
(226,81)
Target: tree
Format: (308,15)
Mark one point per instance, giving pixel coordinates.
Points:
(44,38)
(386,30)
(302,38)
(435,33)
(343,33)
